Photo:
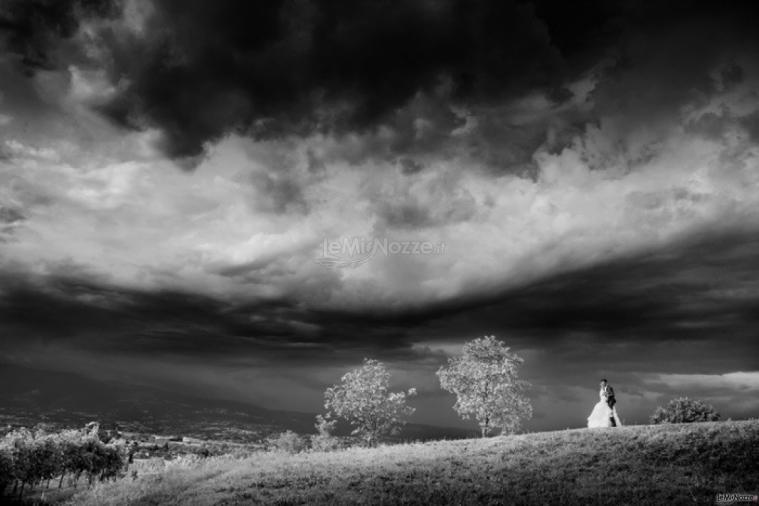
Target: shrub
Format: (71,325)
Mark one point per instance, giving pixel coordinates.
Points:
(288,442)
(685,410)
(324,441)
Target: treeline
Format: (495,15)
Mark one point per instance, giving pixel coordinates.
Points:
(33,458)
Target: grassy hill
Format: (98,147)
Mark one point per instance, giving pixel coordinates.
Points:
(670,464)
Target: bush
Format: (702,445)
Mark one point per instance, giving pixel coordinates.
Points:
(288,442)
(685,410)
(324,441)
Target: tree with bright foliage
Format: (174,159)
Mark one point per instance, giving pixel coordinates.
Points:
(487,388)
(363,398)
(685,410)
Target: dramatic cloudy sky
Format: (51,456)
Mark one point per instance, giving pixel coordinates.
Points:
(169,171)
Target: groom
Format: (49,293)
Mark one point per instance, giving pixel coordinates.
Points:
(608,395)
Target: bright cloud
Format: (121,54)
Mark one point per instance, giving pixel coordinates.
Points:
(740,381)
(249,220)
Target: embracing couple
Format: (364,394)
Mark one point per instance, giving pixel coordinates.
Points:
(604,413)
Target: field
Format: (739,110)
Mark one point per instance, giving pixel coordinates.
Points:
(666,464)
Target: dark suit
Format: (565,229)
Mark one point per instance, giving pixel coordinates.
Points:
(608,394)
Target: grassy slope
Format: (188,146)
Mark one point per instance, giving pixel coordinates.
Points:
(676,464)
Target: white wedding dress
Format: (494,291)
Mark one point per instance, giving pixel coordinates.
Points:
(601,415)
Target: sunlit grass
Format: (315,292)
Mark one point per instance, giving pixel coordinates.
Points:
(673,464)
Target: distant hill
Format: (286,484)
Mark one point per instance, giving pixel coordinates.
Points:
(30,396)
(640,465)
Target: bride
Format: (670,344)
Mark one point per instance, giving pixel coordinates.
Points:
(602,414)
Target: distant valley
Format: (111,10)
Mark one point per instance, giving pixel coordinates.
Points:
(29,397)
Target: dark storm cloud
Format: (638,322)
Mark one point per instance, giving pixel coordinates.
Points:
(271,67)
(702,289)
(201,69)
(198,69)
(94,316)
(31,29)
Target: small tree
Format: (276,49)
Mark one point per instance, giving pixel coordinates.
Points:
(364,400)
(484,380)
(48,458)
(685,410)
